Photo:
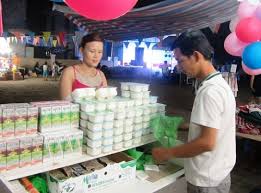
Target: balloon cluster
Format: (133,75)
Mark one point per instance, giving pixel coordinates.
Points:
(101,10)
(245,36)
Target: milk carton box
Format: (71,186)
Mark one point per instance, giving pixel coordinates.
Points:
(20,120)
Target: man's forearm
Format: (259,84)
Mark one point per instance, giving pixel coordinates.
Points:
(191,149)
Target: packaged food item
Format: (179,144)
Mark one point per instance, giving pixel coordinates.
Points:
(20,120)
(66,116)
(45,119)
(8,122)
(12,154)
(56,117)
(32,120)
(25,151)
(3,155)
(37,149)
(66,144)
(75,116)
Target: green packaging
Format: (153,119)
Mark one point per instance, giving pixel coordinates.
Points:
(75,115)
(12,151)
(25,151)
(32,120)
(66,117)
(56,117)
(37,149)
(45,119)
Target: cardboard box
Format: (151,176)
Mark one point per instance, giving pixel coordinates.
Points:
(37,149)
(123,170)
(75,115)
(25,157)
(66,117)
(12,151)
(56,118)
(20,120)
(8,122)
(2,156)
(32,120)
(45,119)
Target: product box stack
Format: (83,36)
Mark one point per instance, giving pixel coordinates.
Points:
(20,145)
(145,108)
(59,125)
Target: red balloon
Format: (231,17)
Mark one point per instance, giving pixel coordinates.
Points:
(249,30)
(101,10)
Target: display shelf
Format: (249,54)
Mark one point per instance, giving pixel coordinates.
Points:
(248,136)
(40,168)
(144,186)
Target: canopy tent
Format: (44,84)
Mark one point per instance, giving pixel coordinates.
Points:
(166,17)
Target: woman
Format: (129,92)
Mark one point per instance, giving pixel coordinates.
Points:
(255,85)
(85,74)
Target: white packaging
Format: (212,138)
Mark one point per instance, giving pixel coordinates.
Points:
(146,111)
(106,149)
(146,118)
(97,135)
(117,146)
(86,93)
(66,117)
(137,140)
(145,87)
(146,131)
(111,105)
(138,102)
(118,131)
(102,93)
(136,88)
(96,117)
(57,118)
(153,99)
(121,104)
(138,127)
(118,139)
(94,151)
(20,121)
(32,120)
(119,115)
(84,116)
(136,95)
(128,122)
(137,120)
(112,92)
(130,113)
(108,116)
(125,85)
(83,123)
(137,133)
(75,116)
(94,126)
(161,107)
(145,101)
(153,108)
(127,143)
(125,93)
(130,103)
(45,119)
(100,106)
(87,107)
(138,112)
(107,125)
(145,125)
(93,143)
(128,129)
(127,136)
(107,141)
(146,95)
(107,133)
(118,123)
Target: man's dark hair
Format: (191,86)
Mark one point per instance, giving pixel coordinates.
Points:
(191,41)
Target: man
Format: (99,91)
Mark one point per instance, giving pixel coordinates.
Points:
(211,149)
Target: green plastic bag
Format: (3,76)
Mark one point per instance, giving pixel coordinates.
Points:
(166,129)
(141,158)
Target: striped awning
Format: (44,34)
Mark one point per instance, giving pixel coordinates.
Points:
(166,17)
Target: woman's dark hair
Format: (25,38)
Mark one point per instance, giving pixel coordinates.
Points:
(191,41)
(91,38)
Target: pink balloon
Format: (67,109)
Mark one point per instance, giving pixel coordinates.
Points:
(258,12)
(101,10)
(233,45)
(248,30)
(246,9)
(250,71)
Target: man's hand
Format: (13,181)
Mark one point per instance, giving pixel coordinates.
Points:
(162,154)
